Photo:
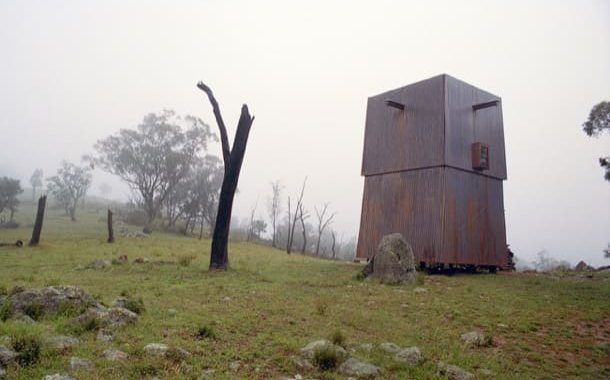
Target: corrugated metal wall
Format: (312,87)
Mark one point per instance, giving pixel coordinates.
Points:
(419,179)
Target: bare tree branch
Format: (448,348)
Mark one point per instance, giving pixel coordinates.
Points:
(322,223)
(224,139)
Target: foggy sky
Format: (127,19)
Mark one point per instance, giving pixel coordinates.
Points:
(74,72)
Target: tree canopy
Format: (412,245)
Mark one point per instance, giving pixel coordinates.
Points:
(597,123)
(153,158)
(70,185)
(10,188)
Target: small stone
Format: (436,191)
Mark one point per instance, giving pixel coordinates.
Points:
(2,372)
(57,376)
(475,339)
(453,372)
(354,367)
(63,342)
(208,373)
(120,302)
(365,346)
(97,264)
(182,353)
(78,363)
(6,356)
(420,290)
(23,318)
(156,349)
(410,355)
(302,363)
(113,354)
(104,335)
(113,317)
(234,366)
(226,299)
(390,348)
(485,372)
(309,350)
(502,325)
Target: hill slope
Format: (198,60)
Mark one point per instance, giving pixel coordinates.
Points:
(270,304)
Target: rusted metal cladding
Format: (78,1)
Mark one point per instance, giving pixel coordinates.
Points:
(473,220)
(419,174)
(408,202)
(397,140)
(465,126)
(449,216)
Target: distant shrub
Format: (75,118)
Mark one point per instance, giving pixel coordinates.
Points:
(33,311)
(82,326)
(9,224)
(69,310)
(6,311)
(338,338)
(205,332)
(175,355)
(359,276)
(185,260)
(326,358)
(321,307)
(143,370)
(28,347)
(135,305)
(134,217)
(124,293)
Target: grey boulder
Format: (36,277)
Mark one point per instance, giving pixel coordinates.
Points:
(394,261)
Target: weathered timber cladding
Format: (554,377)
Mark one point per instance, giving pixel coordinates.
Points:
(419,178)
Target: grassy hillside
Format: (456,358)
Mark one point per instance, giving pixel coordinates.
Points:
(270,304)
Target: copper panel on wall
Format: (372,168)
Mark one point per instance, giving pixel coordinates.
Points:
(397,139)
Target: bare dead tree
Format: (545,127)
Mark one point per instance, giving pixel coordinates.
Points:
(323,221)
(252,215)
(332,234)
(292,223)
(233,159)
(42,202)
(273,208)
(303,215)
(110,229)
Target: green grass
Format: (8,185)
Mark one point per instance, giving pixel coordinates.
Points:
(269,304)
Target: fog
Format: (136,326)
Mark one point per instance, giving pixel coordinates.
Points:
(75,72)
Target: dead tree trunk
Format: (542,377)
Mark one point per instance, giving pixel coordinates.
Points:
(302,216)
(110,229)
(322,224)
(332,233)
(292,225)
(233,159)
(42,202)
